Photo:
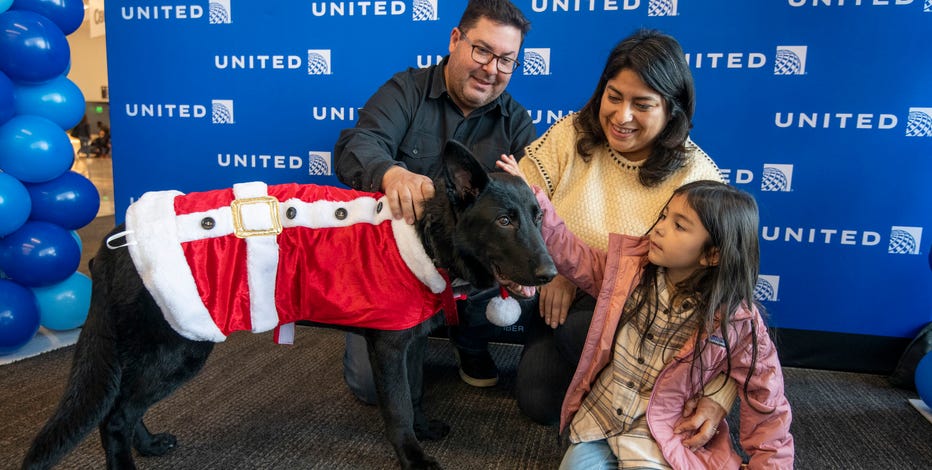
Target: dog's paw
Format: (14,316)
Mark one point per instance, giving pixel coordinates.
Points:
(435,430)
(159,444)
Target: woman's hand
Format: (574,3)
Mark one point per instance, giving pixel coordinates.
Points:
(555,300)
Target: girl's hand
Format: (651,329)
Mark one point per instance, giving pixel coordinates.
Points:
(509,165)
(699,423)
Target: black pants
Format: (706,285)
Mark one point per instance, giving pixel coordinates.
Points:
(549,360)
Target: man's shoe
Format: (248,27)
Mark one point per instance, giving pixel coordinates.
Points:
(477,369)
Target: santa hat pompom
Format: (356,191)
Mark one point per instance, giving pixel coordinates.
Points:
(503,310)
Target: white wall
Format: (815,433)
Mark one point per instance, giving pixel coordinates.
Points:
(88,61)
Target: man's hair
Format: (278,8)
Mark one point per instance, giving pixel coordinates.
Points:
(499,11)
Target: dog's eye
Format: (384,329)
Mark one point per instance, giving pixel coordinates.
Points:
(504,221)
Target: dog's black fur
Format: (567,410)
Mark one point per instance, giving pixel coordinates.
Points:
(483,228)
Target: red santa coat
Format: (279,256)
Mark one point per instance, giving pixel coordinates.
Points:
(255,257)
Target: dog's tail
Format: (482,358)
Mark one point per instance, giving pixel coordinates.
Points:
(92,388)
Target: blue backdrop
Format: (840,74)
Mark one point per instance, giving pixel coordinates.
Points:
(820,108)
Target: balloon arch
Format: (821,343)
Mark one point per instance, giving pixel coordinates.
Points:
(42,202)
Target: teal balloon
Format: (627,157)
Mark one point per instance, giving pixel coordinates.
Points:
(34,149)
(19,316)
(7,102)
(66,14)
(15,204)
(70,201)
(5,5)
(32,48)
(39,254)
(58,100)
(64,306)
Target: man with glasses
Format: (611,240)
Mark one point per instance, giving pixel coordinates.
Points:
(395,148)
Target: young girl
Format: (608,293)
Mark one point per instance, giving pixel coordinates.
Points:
(675,309)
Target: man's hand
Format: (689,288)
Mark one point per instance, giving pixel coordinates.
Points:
(406,192)
(555,300)
(700,417)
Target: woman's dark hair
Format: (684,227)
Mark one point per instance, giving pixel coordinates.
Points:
(658,60)
(499,11)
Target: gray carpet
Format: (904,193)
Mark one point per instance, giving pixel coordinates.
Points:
(257,405)
(262,406)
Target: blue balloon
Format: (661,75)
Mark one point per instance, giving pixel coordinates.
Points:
(58,100)
(19,316)
(64,306)
(77,239)
(67,14)
(32,48)
(924,378)
(70,201)
(15,204)
(39,254)
(34,149)
(7,102)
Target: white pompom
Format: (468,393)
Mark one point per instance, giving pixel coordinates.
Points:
(503,311)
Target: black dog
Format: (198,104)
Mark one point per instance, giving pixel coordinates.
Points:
(483,228)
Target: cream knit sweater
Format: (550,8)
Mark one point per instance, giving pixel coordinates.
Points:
(604,195)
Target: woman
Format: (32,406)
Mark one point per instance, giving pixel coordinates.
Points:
(624,152)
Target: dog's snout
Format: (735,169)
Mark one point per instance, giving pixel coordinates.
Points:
(545,273)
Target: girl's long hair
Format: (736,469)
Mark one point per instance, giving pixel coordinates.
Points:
(717,292)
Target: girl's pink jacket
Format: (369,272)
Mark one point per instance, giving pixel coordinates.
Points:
(765,437)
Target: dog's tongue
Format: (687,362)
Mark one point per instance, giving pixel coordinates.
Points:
(528,291)
(518,289)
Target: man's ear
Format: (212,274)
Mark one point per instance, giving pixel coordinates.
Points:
(711,257)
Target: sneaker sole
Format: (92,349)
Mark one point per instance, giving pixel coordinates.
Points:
(479,383)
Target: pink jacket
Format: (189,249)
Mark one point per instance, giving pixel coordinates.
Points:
(764,437)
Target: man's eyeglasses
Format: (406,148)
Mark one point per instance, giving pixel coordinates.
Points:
(483,56)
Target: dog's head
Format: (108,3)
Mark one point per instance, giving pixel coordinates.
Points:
(495,220)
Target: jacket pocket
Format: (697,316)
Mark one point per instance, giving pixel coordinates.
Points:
(418,145)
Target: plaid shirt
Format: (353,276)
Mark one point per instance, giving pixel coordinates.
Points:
(616,407)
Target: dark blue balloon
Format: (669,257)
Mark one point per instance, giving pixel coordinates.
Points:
(67,14)
(7,103)
(58,100)
(15,204)
(32,48)
(70,201)
(19,316)
(34,149)
(39,254)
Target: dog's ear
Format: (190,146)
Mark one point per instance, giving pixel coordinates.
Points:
(463,172)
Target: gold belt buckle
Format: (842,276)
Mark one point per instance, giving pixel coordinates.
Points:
(241,231)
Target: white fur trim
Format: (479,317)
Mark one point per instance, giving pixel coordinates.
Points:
(503,311)
(261,257)
(156,252)
(321,214)
(412,252)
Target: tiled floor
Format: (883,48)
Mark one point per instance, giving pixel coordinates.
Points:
(100,172)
